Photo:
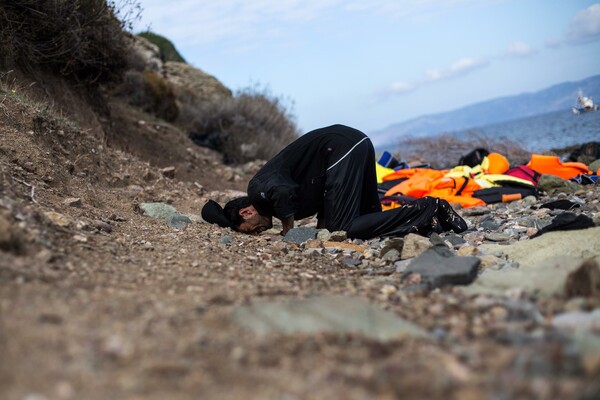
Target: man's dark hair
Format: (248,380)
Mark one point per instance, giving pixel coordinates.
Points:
(232,210)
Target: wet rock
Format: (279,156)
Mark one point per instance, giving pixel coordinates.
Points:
(437,270)
(300,235)
(333,314)
(414,245)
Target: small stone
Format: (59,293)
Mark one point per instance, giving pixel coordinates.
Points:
(149,175)
(313,244)
(168,172)
(300,235)
(323,235)
(468,251)
(102,226)
(57,218)
(497,236)
(338,236)
(391,255)
(225,240)
(73,202)
(414,245)
(80,238)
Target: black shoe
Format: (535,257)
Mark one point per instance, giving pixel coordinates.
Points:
(449,219)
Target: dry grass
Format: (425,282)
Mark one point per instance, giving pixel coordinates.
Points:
(82,40)
(444,151)
(251,125)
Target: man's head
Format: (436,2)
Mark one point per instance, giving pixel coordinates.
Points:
(245,218)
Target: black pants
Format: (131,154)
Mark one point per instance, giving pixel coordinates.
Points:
(351,187)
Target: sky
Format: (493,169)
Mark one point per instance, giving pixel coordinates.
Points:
(373,63)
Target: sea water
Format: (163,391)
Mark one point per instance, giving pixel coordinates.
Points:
(555,130)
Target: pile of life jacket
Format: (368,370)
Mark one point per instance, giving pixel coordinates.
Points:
(480,178)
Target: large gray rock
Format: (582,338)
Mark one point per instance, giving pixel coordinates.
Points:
(300,235)
(332,314)
(437,269)
(549,183)
(166,212)
(583,243)
(562,276)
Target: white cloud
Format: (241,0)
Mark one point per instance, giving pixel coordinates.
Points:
(192,22)
(585,26)
(520,49)
(553,43)
(461,67)
(402,87)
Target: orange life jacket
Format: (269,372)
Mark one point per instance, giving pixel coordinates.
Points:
(553,166)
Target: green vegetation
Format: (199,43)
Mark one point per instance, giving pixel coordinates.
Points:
(168,52)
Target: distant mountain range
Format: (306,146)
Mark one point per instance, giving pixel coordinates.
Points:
(555,98)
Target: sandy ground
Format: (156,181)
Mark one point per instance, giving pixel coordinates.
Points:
(99,301)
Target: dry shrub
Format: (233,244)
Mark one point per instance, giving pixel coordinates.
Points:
(252,125)
(80,39)
(444,151)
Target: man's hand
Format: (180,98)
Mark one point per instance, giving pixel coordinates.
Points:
(288,224)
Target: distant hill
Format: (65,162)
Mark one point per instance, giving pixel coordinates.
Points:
(555,98)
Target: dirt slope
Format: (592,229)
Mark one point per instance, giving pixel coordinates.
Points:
(98,301)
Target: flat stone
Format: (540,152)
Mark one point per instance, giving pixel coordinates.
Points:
(497,237)
(300,235)
(178,221)
(158,210)
(347,246)
(437,270)
(331,314)
(561,276)
(581,243)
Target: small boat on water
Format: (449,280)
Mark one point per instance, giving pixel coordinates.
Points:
(584,104)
